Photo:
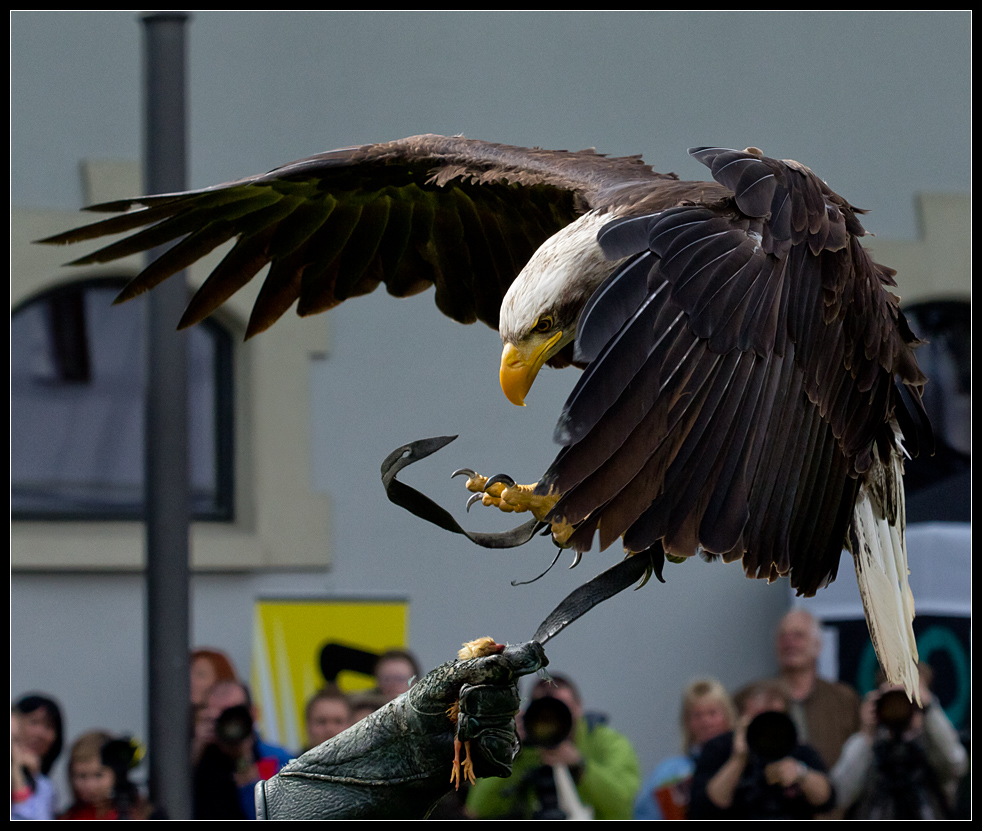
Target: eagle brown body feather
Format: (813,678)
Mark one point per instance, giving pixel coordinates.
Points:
(745,366)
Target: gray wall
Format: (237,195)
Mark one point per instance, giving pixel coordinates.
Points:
(877,103)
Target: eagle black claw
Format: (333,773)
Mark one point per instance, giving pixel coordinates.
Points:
(500,479)
(464,471)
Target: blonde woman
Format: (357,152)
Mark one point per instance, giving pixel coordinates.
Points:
(707,712)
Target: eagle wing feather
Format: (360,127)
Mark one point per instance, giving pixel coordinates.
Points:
(459,214)
(755,444)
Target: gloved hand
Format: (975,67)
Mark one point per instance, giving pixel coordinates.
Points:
(395,764)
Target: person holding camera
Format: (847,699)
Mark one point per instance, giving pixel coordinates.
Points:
(235,758)
(760,770)
(571,764)
(905,762)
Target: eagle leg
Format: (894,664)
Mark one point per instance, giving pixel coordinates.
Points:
(503,493)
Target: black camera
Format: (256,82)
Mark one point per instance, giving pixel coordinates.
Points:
(895,711)
(548,723)
(772,736)
(233,726)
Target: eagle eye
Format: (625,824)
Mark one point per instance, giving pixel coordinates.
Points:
(543,324)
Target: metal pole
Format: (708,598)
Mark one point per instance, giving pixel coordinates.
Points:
(168,511)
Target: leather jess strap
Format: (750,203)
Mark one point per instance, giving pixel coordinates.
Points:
(605,585)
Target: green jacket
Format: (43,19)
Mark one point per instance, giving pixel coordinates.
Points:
(608,782)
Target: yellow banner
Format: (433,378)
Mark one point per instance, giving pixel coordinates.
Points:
(288,639)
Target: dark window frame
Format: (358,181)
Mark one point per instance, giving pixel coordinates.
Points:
(222,508)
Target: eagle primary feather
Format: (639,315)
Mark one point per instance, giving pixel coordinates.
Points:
(748,376)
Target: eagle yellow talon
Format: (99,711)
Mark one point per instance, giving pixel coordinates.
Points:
(509,497)
(476,483)
(561,532)
(512,498)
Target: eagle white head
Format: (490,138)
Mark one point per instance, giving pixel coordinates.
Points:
(540,311)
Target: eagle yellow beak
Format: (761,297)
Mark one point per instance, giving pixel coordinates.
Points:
(521,363)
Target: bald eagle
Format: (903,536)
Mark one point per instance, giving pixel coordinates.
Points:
(749,387)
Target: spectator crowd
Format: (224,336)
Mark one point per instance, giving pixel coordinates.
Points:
(791,747)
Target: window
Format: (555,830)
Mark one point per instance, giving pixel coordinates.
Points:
(78,374)
(946,359)
(939,485)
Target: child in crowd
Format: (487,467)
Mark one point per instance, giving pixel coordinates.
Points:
(97,767)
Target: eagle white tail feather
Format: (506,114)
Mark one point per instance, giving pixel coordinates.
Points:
(880,554)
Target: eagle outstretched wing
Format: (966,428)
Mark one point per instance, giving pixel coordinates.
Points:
(459,214)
